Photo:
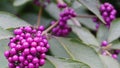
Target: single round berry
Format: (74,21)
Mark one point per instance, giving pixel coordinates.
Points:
(104,43)
(7,54)
(114,56)
(42,62)
(26,51)
(35,60)
(31,65)
(13,51)
(15,58)
(33,50)
(43,55)
(29,57)
(21,58)
(26,45)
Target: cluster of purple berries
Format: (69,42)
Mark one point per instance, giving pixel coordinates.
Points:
(108,13)
(115,52)
(61,4)
(62,29)
(27,48)
(42,3)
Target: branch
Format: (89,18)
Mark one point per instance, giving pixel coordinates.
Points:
(39,16)
(86,16)
(50,28)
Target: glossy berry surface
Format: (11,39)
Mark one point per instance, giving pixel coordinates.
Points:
(27,48)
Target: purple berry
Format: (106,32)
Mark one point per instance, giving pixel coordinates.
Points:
(26,62)
(104,43)
(25,45)
(29,57)
(30,65)
(26,51)
(15,58)
(38,48)
(7,54)
(35,60)
(29,40)
(33,44)
(10,59)
(11,65)
(13,51)
(114,56)
(33,50)
(28,29)
(41,28)
(42,62)
(21,58)
(43,55)
(17,31)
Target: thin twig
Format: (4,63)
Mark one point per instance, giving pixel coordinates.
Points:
(108,53)
(39,16)
(48,29)
(86,16)
(107,47)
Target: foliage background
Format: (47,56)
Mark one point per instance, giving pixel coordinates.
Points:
(78,50)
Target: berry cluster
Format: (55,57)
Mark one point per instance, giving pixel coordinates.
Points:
(61,5)
(108,12)
(62,29)
(114,52)
(42,3)
(27,48)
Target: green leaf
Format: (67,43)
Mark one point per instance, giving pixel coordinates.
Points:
(32,19)
(48,64)
(114,32)
(20,2)
(54,13)
(8,20)
(88,23)
(5,5)
(118,57)
(110,62)
(81,52)
(76,5)
(85,35)
(102,33)
(3,48)
(115,44)
(4,34)
(93,7)
(66,63)
(56,49)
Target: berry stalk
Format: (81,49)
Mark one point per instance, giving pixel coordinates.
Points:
(50,28)
(39,16)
